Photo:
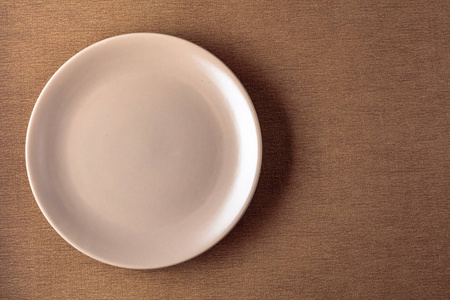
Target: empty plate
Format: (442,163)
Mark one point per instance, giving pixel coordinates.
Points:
(143,150)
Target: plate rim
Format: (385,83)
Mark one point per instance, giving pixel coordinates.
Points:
(219,237)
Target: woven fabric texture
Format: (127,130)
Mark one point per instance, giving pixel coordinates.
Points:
(353,99)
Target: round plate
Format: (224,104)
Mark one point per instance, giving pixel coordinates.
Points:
(143,150)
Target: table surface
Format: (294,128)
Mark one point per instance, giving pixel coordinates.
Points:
(354,101)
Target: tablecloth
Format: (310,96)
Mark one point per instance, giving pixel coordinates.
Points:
(353,98)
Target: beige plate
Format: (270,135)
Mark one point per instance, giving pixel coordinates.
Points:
(143,150)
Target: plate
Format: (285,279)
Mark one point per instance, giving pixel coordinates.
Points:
(143,150)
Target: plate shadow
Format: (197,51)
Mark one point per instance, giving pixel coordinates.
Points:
(277,148)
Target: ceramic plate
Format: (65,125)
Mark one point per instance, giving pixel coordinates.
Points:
(143,150)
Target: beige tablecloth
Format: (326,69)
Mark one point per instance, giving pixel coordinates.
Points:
(354,101)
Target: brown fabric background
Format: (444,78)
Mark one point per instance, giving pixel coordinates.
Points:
(353,100)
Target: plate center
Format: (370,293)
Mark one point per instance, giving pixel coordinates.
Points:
(144,151)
